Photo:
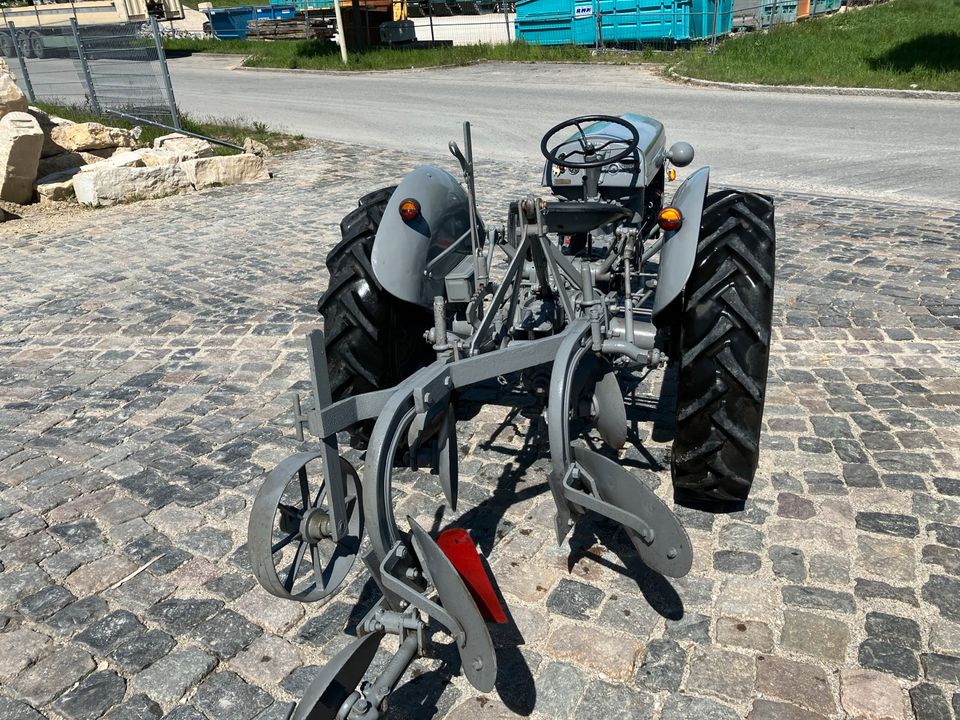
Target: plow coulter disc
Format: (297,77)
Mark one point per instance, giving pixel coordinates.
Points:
(292,551)
(608,411)
(582,386)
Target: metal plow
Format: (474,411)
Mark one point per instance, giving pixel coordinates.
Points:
(305,533)
(576,299)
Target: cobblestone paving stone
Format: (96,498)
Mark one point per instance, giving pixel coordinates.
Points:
(146,354)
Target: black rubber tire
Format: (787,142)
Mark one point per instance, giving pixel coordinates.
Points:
(373,339)
(725,350)
(37,46)
(26,47)
(7,46)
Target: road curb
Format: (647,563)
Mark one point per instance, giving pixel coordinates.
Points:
(818,90)
(343,73)
(745,87)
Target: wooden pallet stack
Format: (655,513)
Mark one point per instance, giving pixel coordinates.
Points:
(303,26)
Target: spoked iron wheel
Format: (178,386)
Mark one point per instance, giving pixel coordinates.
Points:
(290,539)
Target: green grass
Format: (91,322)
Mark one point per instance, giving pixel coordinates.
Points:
(230,130)
(192,4)
(323,55)
(901,44)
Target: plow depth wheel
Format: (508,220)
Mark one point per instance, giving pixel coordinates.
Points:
(292,553)
(724,350)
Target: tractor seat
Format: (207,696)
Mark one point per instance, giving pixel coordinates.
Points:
(581,216)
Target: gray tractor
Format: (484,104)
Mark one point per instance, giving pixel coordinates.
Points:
(573,292)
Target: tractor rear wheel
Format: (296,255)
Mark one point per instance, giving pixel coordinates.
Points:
(724,350)
(373,339)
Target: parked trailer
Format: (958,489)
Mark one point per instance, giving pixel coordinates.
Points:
(241,22)
(231,23)
(43,28)
(623,22)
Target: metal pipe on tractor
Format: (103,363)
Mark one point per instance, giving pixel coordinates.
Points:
(602,278)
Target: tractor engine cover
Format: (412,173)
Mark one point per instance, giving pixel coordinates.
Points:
(631,173)
(406,252)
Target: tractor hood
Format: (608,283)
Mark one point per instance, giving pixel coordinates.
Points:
(638,171)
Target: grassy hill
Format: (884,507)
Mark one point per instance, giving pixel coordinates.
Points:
(901,44)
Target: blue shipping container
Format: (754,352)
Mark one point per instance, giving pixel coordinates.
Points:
(231,23)
(306,4)
(565,22)
(819,7)
(786,12)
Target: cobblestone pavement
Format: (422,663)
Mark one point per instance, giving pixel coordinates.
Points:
(146,354)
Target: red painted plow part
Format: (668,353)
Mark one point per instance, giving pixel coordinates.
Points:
(461,551)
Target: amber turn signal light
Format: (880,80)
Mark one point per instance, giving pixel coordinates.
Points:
(409,209)
(669,219)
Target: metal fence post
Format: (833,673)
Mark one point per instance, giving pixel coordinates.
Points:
(25,76)
(341,38)
(716,13)
(85,68)
(165,73)
(506,18)
(430,14)
(599,40)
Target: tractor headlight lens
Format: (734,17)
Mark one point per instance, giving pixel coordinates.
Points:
(409,209)
(670,219)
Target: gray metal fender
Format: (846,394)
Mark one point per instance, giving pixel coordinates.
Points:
(402,250)
(680,248)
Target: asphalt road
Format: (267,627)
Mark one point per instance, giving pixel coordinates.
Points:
(892,148)
(878,148)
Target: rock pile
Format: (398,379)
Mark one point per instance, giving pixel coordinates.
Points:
(11,99)
(49,159)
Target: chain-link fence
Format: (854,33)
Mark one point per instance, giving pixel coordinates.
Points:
(109,69)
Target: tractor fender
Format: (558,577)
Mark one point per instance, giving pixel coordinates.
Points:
(403,250)
(680,247)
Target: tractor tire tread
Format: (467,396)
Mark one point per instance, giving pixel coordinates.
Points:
(372,339)
(361,222)
(724,350)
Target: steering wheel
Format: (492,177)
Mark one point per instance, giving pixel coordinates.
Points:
(589,148)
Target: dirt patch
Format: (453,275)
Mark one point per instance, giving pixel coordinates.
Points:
(37,218)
